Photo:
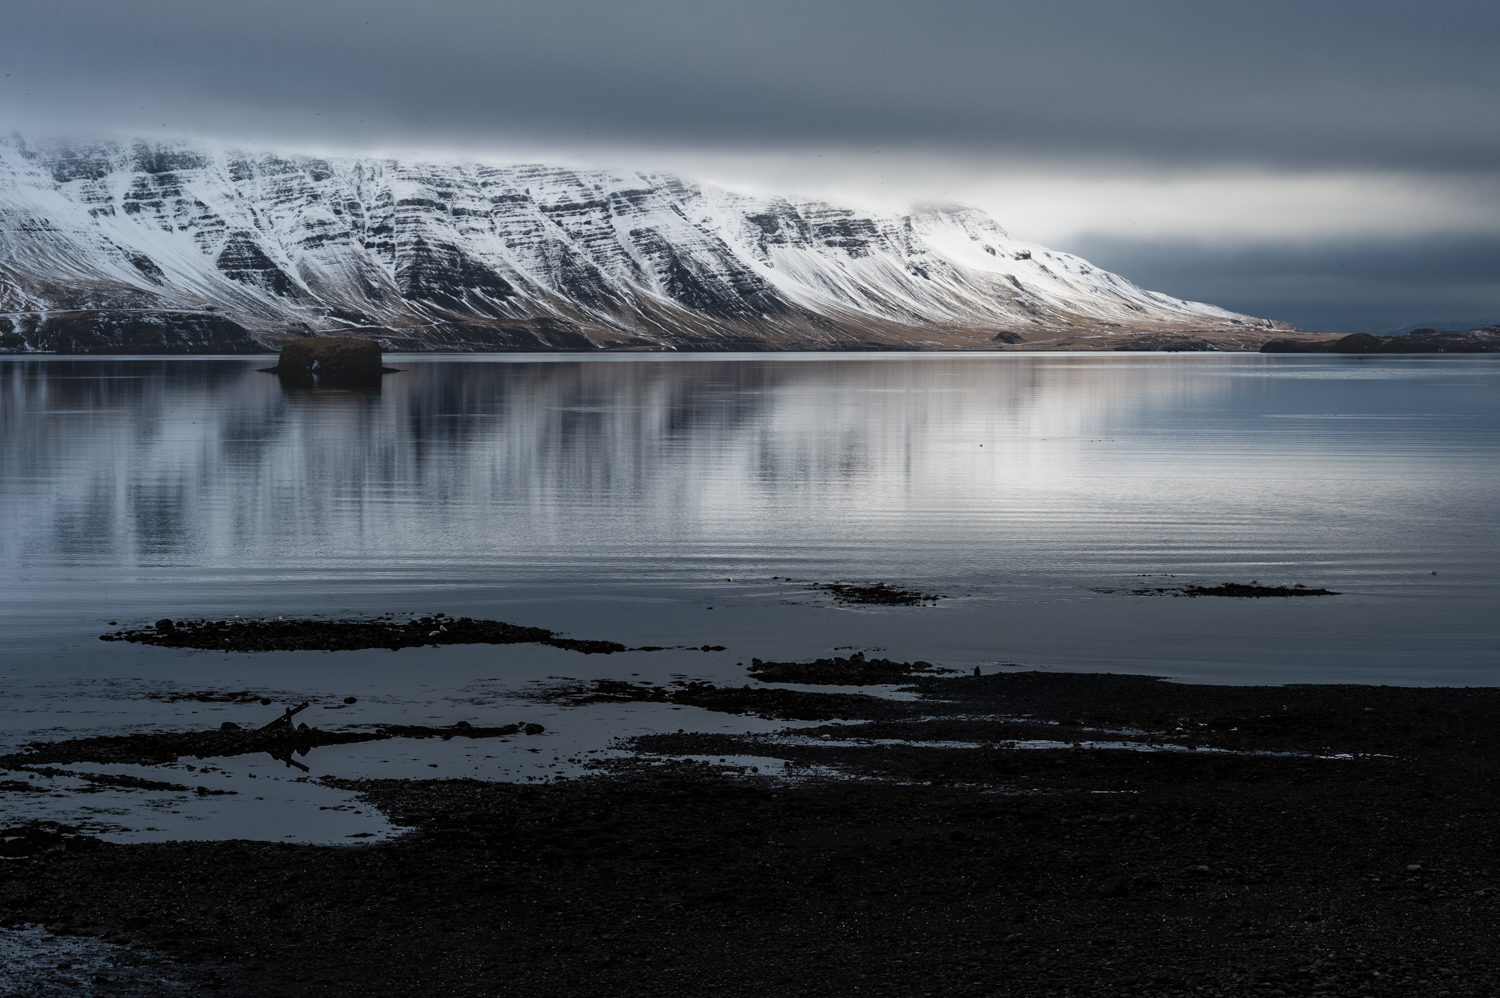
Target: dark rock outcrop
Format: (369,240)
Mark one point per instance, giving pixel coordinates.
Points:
(339,356)
(1485,340)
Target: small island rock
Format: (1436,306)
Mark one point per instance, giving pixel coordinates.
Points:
(341,355)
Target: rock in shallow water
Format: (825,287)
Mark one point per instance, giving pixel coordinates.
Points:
(336,355)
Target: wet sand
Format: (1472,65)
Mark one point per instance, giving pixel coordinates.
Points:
(1331,840)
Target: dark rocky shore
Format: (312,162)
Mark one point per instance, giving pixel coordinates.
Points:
(1328,840)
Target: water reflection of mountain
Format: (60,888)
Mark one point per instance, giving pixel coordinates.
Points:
(210,462)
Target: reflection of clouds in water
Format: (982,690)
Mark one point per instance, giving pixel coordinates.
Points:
(927,468)
(211,463)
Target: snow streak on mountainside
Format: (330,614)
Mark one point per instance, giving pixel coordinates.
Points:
(174,247)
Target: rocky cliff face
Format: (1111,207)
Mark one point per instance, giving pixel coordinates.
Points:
(169,248)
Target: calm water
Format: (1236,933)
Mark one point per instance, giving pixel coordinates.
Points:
(616,497)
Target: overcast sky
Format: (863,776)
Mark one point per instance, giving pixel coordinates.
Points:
(1333,164)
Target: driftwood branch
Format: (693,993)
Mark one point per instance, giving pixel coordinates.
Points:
(285,720)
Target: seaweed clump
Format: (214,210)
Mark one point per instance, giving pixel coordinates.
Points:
(1242,590)
(786,705)
(1254,591)
(345,635)
(856,670)
(880,594)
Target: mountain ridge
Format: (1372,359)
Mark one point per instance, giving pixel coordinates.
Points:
(174,247)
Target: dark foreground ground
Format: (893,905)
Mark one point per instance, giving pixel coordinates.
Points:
(937,871)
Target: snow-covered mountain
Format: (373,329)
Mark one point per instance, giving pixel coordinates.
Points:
(176,247)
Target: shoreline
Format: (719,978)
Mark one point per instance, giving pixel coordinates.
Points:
(1342,839)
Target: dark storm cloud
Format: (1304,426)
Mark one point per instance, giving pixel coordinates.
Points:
(1277,82)
(1365,286)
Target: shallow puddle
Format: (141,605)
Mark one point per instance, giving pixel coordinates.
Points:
(255,796)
